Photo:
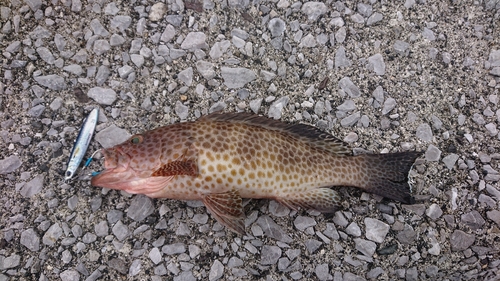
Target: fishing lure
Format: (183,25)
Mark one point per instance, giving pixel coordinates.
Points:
(82,143)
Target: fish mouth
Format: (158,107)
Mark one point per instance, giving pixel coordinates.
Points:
(116,169)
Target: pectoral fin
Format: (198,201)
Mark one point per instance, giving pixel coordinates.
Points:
(227,208)
(323,200)
(177,168)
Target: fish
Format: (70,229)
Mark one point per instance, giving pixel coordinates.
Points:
(82,143)
(222,158)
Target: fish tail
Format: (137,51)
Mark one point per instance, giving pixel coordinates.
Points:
(387,174)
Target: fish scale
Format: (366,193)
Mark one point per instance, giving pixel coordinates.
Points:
(221,158)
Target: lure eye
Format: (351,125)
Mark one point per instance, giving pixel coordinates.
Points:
(136,140)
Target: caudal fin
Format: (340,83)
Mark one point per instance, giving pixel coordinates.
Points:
(388,175)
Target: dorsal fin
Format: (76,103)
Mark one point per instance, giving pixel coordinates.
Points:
(307,133)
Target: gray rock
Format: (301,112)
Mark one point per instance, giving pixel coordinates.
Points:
(120,231)
(33,187)
(473,219)
(70,275)
(9,262)
(155,255)
(349,88)
(76,6)
(277,27)
(376,230)
(168,34)
(407,236)
(428,34)
(186,76)
(103,96)
(102,75)
(13,47)
(216,271)
(376,63)
(135,267)
(89,238)
(101,229)
(340,220)
(237,77)
(401,47)
(185,276)
(322,272)
(10,164)
(36,111)
(52,81)
(389,105)
(277,106)
(30,239)
(181,110)
(314,10)
(34,4)
(218,106)
(194,40)
(74,68)
(312,245)
(341,59)
(255,105)
(111,136)
(116,40)
(434,211)
(174,249)
(301,223)
(450,160)
(432,153)
(374,18)
(366,247)
(270,255)
(98,28)
(494,215)
(120,23)
(52,234)
(206,69)
(308,41)
(101,46)
(118,265)
(353,229)
(140,208)
(273,230)
(45,55)
(374,273)
(350,120)
(460,240)
(424,132)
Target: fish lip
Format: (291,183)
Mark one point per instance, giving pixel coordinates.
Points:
(116,165)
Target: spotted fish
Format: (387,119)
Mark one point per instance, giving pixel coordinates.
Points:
(224,157)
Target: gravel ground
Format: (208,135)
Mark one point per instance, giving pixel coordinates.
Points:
(381,75)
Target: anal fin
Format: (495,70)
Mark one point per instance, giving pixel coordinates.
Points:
(227,208)
(325,200)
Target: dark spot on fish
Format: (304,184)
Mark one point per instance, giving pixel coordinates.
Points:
(80,95)
(194,5)
(323,83)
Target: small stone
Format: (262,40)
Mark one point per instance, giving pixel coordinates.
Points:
(181,110)
(255,105)
(98,28)
(135,267)
(273,230)
(322,272)
(473,219)
(389,105)
(45,55)
(9,164)
(312,245)
(120,231)
(401,47)
(186,76)
(277,27)
(33,187)
(270,255)
(350,120)
(53,82)
(366,247)
(407,236)
(102,75)
(111,136)
(494,215)
(118,265)
(74,69)
(424,132)
(460,240)
(374,18)
(347,106)
(206,69)
(101,46)
(376,63)
(120,23)
(30,239)
(432,153)
(116,40)
(349,88)
(237,77)
(341,59)
(102,95)
(492,129)
(314,10)
(216,271)
(140,208)
(376,230)
(52,234)
(155,255)
(194,40)
(277,106)
(353,229)
(301,223)
(70,275)
(174,249)
(434,211)
(450,160)
(157,11)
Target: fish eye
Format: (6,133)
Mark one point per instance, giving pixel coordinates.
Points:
(136,139)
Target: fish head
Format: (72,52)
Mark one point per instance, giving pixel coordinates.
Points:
(129,165)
